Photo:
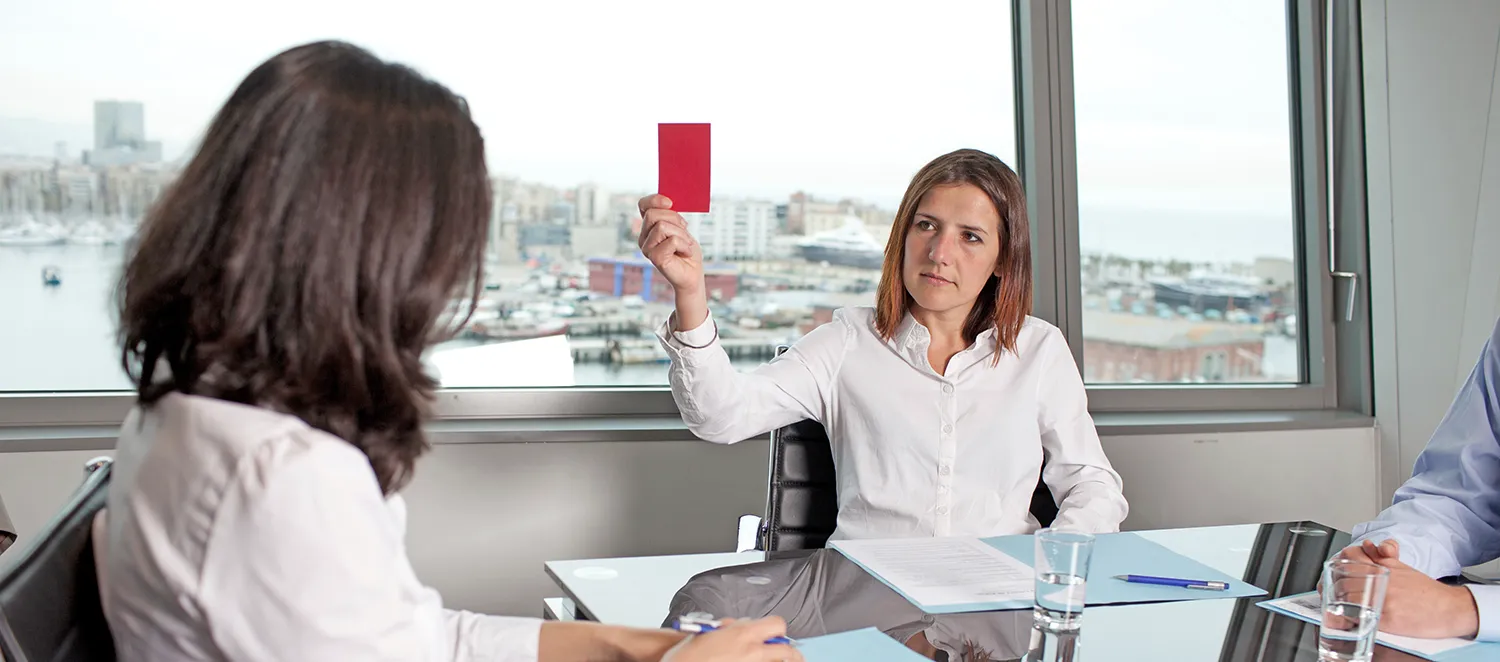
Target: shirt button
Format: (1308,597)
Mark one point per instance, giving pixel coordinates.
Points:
(942,488)
(944,470)
(947,388)
(947,429)
(942,510)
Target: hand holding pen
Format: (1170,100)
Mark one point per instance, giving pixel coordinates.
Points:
(711,640)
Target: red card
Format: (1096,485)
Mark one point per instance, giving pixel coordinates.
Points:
(682,159)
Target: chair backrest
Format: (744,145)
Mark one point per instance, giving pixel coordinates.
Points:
(49,590)
(7,530)
(1043,507)
(802,506)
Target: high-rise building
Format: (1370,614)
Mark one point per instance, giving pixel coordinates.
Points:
(734,229)
(75,190)
(505,231)
(591,204)
(119,124)
(24,189)
(120,135)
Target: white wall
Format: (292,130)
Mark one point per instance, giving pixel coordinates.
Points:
(485,517)
(1433,152)
(1177,480)
(35,485)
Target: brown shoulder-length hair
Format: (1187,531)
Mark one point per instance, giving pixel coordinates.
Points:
(1006,300)
(306,256)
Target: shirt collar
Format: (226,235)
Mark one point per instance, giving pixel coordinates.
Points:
(912,335)
(912,340)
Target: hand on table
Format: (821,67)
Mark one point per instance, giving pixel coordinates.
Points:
(1417,605)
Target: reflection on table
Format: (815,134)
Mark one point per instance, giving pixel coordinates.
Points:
(821,592)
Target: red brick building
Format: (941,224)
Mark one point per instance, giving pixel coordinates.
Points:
(636,276)
(1124,348)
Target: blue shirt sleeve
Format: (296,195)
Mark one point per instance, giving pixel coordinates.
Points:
(1447,516)
(1487,598)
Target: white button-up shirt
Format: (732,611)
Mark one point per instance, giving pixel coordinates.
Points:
(917,453)
(238,533)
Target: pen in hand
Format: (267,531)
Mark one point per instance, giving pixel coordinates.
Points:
(701,623)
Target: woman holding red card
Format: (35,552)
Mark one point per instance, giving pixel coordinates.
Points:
(943,400)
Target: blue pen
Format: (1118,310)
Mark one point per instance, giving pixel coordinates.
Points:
(698,623)
(1169,581)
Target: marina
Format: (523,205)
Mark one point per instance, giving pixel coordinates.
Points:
(1144,321)
(27,230)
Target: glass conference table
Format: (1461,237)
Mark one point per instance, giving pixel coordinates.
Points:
(820,592)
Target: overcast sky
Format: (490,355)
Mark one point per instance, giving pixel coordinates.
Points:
(1182,104)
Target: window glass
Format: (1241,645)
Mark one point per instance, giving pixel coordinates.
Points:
(821,113)
(1186,213)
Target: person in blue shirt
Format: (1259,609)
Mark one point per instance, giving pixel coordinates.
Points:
(1445,518)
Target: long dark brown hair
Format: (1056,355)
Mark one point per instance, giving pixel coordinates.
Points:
(1006,300)
(306,255)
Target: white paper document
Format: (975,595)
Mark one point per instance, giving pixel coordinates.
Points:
(943,571)
(1310,606)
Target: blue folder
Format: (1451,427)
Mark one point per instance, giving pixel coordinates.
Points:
(1114,554)
(1475,652)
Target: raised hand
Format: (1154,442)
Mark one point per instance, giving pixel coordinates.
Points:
(666,242)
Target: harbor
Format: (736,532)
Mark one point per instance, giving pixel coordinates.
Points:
(773,304)
(1144,321)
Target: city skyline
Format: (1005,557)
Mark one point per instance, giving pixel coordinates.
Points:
(128,190)
(826,95)
(1136,234)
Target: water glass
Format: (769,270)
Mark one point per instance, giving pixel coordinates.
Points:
(1353,595)
(1062,568)
(1053,646)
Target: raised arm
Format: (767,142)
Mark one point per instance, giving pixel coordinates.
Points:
(718,402)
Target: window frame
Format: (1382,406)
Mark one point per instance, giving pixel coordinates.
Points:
(1337,357)
(1048,148)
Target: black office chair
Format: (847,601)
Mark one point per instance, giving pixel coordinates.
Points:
(7,530)
(49,590)
(802,505)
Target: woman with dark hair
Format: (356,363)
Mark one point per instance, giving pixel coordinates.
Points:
(273,316)
(943,400)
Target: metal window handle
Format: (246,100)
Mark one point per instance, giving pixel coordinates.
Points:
(1329,100)
(1353,292)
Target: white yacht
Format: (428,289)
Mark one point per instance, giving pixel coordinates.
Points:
(850,245)
(29,232)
